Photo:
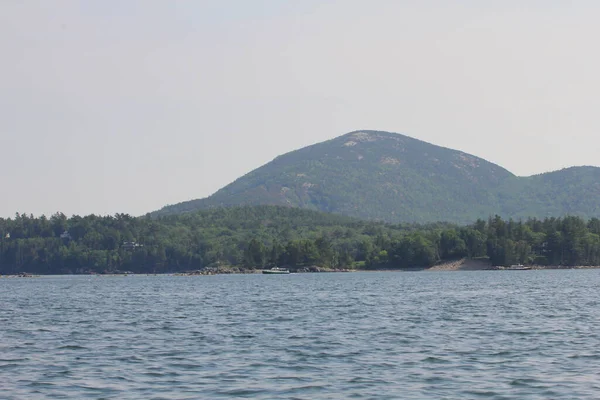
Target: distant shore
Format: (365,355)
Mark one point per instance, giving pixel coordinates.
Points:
(482,265)
(457,265)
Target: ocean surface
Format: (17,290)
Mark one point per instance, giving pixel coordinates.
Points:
(404,335)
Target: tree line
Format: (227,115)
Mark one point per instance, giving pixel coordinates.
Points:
(265,236)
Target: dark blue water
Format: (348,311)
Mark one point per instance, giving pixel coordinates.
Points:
(428,335)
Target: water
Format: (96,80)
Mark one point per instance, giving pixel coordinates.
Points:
(427,335)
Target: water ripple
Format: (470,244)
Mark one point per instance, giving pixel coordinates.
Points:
(471,335)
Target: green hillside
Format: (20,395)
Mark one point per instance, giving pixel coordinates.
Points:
(570,191)
(390,177)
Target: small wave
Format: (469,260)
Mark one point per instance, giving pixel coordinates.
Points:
(72,347)
(247,336)
(9,366)
(185,366)
(13,360)
(159,374)
(585,356)
(242,392)
(40,384)
(363,380)
(54,374)
(481,393)
(524,382)
(434,379)
(520,333)
(435,360)
(304,389)
(130,359)
(289,378)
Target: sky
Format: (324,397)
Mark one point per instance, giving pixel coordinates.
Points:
(125,106)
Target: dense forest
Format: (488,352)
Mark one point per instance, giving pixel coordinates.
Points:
(257,237)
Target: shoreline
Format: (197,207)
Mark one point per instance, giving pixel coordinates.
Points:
(460,265)
(484,265)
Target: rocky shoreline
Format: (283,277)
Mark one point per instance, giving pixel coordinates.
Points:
(458,265)
(229,271)
(484,265)
(21,275)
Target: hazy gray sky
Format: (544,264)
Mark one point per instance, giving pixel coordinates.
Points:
(125,106)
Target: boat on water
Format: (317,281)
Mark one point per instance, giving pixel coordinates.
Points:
(276,271)
(518,267)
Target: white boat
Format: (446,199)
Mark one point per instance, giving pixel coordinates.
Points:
(276,271)
(518,267)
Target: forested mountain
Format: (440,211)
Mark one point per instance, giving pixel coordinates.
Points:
(394,178)
(242,238)
(570,191)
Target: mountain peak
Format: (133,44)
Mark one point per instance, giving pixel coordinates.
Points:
(392,177)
